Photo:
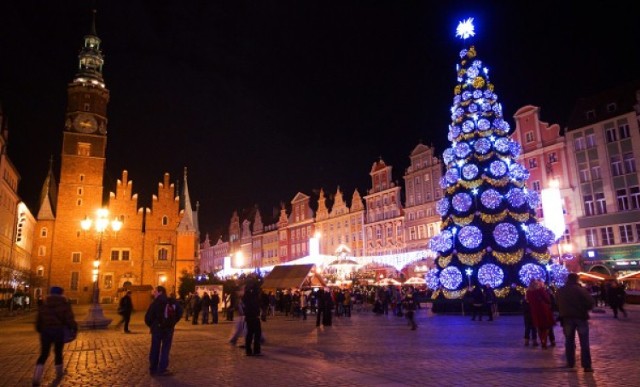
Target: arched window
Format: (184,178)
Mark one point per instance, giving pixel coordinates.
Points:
(44,232)
(165,220)
(162,254)
(40,271)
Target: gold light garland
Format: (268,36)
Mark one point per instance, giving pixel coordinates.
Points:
(471,259)
(471,184)
(490,86)
(498,182)
(457,89)
(502,292)
(508,258)
(463,220)
(494,218)
(485,157)
(454,294)
(541,257)
(519,217)
(444,261)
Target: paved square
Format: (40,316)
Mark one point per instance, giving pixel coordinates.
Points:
(362,350)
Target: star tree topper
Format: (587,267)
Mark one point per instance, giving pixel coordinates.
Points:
(465,29)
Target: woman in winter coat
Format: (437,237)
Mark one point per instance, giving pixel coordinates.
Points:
(541,313)
(53,316)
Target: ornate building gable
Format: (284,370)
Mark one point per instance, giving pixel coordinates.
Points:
(339,206)
(258,226)
(356,202)
(161,222)
(234,227)
(323,212)
(123,204)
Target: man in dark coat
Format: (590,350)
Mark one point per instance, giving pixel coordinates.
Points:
(195,308)
(53,316)
(251,304)
(328,307)
(215,302)
(574,304)
(161,335)
(125,308)
(617,296)
(206,304)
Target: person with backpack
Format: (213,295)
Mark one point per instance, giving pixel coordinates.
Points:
(161,317)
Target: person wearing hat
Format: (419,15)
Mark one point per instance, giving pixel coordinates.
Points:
(574,304)
(125,308)
(54,315)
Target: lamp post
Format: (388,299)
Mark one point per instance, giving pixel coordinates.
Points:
(95,319)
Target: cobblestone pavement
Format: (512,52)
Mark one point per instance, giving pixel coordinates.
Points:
(362,350)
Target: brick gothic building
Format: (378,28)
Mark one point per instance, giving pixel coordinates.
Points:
(153,247)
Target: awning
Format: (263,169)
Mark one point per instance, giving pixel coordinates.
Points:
(595,276)
(292,277)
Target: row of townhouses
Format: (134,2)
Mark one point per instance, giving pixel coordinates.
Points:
(592,161)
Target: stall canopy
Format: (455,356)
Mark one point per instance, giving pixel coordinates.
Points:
(292,277)
(595,276)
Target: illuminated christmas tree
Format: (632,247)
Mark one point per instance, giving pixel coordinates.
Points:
(489,234)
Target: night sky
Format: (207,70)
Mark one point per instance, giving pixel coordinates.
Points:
(261,100)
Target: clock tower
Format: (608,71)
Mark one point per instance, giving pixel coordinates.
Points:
(82,165)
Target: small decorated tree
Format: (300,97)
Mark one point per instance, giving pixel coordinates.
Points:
(489,234)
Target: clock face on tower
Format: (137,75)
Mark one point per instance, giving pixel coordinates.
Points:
(85,123)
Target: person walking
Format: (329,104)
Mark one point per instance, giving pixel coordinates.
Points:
(53,316)
(251,304)
(215,303)
(409,305)
(574,304)
(477,302)
(161,317)
(239,327)
(125,308)
(617,296)
(541,314)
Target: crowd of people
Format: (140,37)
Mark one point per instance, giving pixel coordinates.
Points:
(542,306)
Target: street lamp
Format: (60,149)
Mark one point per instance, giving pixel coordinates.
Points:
(95,319)
(469,271)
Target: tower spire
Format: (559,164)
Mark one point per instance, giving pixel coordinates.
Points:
(90,58)
(188,221)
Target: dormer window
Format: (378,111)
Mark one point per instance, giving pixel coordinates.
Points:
(611,107)
(591,114)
